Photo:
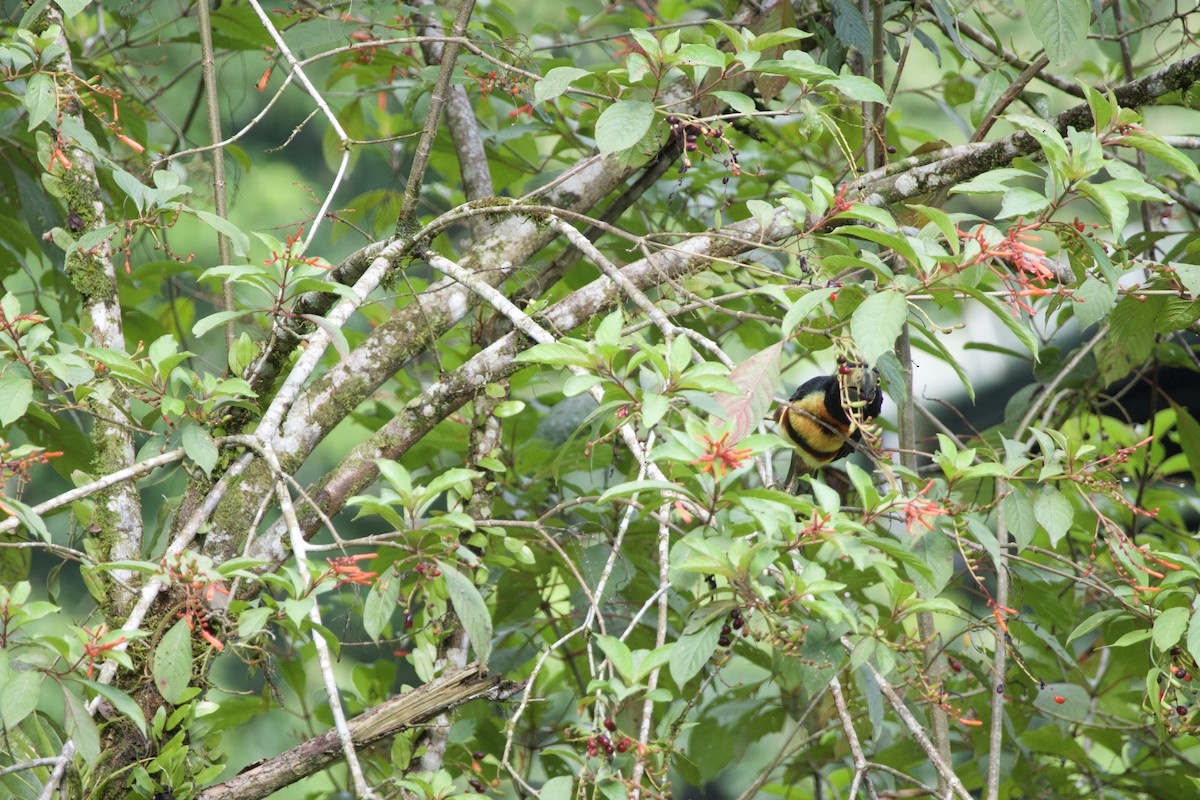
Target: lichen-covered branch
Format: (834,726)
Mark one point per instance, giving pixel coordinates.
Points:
(386,719)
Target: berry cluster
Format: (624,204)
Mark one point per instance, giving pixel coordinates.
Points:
(735,623)
(595,744)
(692,135)
(1177,696)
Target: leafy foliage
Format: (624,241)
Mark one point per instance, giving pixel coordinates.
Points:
(295,422)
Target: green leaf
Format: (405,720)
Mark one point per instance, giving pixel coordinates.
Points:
(737,101)
(618,655)
(732,34)
(171,665)
(41,99)
(1021,202)
(989,90)
(691,652)
(200,448)
(771,39)
(1096,620)
(702,55)
(216,320)
(1113,204)
(19,695)
(1060,25)
(239,240)
(380,604)
(556,354)
(1169,626)
(555,82)
(120,701)
(252,620)
(623,124)
(1189,438)
(805,304)
(471,610)
(1193,636)
(877,322)
(15,396)
(1018,516)
(1095,299)
(81,727)
(1019,330)
(856,87)
(1054,513)
(1149,143)
(560,788)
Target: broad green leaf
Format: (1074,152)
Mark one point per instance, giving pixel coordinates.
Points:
(80,726)
(1094,300)
(121,701)
(200,448)
(171,665)
(380,604)
(253,620)
(737,101)
(559,788)
(239,240)
(15,396)
(1096,620)
(991,87)
(1054,513)
(1018,516)
(1149,143)
(691,652)
(1020,330)
(1193,636)
(618,655)
(471,610)
(19,695)
(217,320)
(877,322)
(1169,627)
(856,87)
(623,124)
(702,55)
(41,98)
(1189,438)
(555,82)
(1021,202)
(770,39)
(804,305)
(1113,204)
(1060,25)
(558,354)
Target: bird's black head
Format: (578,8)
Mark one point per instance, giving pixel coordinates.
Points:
(854,391)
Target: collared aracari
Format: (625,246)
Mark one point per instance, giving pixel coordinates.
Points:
(822,419)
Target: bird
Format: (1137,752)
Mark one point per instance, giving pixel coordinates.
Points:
(823,418)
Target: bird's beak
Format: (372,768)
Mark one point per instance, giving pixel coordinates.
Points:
(863,385)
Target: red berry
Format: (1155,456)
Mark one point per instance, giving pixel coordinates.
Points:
(724,641)
(1181,711)
(609,724)
(1058,698)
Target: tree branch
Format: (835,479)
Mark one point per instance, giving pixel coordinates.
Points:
(386,719)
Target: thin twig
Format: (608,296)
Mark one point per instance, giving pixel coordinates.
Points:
(441,86)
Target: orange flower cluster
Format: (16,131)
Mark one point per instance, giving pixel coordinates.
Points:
(720,456)
(347,570)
